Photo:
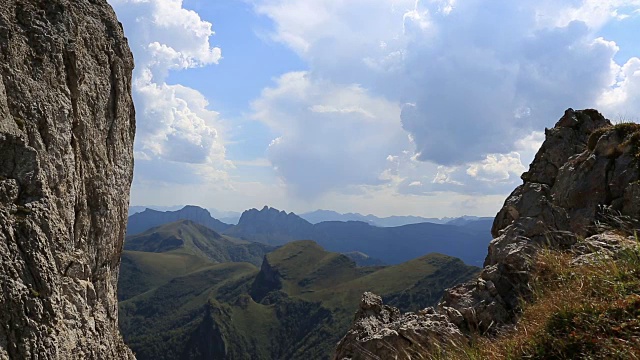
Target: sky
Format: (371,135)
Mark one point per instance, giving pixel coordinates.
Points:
(385,107)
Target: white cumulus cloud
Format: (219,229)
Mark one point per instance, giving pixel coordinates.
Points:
(174,121)
(497,167)
(623,99)
(326,139)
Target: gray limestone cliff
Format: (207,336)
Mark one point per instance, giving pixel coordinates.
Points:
(586,170)
(66,160)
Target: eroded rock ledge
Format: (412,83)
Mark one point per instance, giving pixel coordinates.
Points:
(66,160)
(585,169)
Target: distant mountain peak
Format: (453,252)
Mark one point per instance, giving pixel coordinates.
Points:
(194,208)
(150,218)
(267,211)
(272,226)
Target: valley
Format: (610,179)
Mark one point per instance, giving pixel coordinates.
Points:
(189,292)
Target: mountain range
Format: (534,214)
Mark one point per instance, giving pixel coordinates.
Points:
(179,248)
(188,292)
(466,238)
(317,216)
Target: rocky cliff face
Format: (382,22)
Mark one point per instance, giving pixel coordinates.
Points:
(585,170)
(66,137)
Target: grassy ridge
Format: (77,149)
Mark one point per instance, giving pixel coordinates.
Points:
(306,267)
(188,237)
(158,255)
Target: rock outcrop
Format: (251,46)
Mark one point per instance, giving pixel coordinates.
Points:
(66,160)
(585,169)
(382,332)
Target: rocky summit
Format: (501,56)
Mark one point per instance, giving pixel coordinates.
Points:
(66,159)
(586,170)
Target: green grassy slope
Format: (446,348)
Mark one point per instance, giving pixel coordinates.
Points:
(305,267)
(306,302)
(188,237)
(158,255)
(143,271)
(410,286)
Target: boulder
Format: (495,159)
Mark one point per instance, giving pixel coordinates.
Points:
(381,332)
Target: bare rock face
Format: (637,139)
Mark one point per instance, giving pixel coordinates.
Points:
(585,168)
(567,185)
(66,161)
(382,332)
(607,245)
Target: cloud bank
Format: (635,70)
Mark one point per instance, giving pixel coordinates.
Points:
(401,99)
(474,81)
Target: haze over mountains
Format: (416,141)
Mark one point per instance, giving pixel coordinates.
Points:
(317,216)
(466,238)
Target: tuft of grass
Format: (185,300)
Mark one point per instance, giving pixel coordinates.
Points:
(578,312)
(633,140)
(595,136)
(625,119)
(628,131)
(613,221)
(626,128)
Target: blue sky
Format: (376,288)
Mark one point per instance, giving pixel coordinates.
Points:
(390,107)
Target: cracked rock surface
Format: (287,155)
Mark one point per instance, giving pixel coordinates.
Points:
(66,161)
(382,332)
(585,169)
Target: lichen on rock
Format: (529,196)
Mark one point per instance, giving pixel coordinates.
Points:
(66,160)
